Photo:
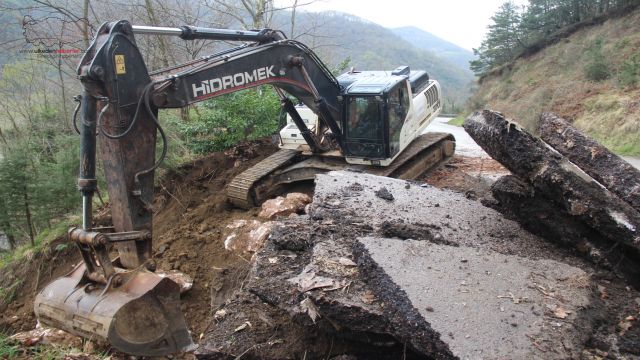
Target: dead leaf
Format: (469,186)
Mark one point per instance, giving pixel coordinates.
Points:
(245,325)
(310,281)
(220,314)
(310,308)
(346,262)
(368,298)
(338,285)
(603,292)
(516,300)
(561,313)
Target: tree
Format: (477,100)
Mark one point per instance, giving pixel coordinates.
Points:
(503,42)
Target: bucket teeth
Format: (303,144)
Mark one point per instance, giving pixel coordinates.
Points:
(137,313)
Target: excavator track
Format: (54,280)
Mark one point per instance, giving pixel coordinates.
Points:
(423,154)
(286,166)
(239,190)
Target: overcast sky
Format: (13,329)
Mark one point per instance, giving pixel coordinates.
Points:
(462,22)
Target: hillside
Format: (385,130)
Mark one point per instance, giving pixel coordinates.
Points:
(337,36)
(442,48)
(592,77)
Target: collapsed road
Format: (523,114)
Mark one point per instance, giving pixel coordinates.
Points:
(385,268)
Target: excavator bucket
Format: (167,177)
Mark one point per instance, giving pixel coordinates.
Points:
(137,312)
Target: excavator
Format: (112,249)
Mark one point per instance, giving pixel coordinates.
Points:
(367,121)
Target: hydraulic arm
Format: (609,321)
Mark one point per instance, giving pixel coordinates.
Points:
(121,299)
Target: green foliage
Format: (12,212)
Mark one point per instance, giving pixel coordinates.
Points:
(42,242)
(8,348)
(515,31)
(221,123)
(342,66)
(38,154)
(37,182)
(9,293)
(458,121)
(597,68)
(503,42)
(629,74)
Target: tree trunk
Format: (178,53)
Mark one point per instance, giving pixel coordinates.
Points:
(27,211)
(85,27)
(607,168)
(293,18)
(4,140)
(5,226)
(63,95)
(162,44)
(555,177)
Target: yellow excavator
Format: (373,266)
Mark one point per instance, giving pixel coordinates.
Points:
(370,121)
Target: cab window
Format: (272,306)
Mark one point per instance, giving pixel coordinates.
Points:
(363,119)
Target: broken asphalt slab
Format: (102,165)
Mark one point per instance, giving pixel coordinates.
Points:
(339,274)
(485,304)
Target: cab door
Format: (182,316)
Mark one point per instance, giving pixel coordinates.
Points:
(397,104)
(365,127)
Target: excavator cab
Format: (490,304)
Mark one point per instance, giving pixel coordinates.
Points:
(376,107)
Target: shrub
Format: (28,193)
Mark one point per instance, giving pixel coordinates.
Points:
(597,68)
(226,120)
(629,74)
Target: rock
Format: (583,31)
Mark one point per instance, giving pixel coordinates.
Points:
(383,193)
(284,206)
(184,281)
(247,235)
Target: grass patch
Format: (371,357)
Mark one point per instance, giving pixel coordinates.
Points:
(8,349)
(457,121)
(9,293)
(42,240)
(12,350)
(626,149)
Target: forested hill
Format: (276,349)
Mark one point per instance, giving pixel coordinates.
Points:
(442,48)
(591,77)
(337,37)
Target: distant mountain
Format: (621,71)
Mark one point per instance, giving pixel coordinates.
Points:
(444,49)
(336,37)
